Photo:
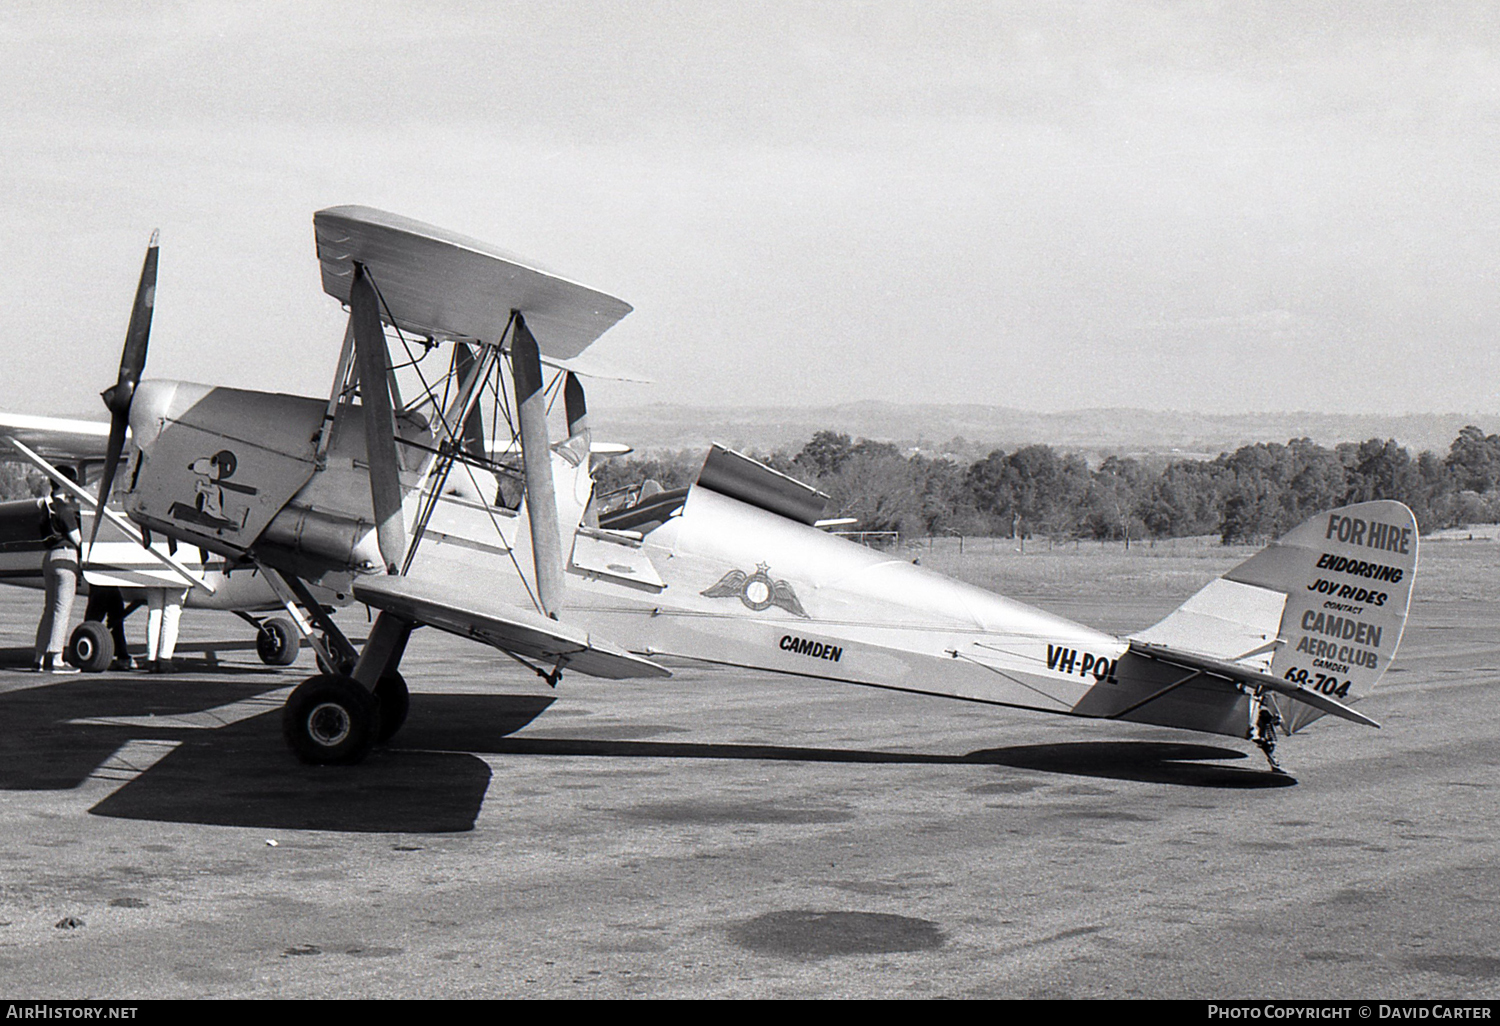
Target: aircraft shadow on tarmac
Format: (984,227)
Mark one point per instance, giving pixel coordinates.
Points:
(40,749)
(431,780)
(241,773)
(1154,762)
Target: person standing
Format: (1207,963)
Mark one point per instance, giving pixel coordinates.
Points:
(164,611)
(63,540)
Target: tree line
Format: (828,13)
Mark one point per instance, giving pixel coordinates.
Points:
(1255,493)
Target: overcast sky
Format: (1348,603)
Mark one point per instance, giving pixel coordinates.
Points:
(1195,206)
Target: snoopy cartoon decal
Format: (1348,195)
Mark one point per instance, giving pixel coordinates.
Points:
(208,509)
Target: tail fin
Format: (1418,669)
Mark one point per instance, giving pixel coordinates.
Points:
(1324,607)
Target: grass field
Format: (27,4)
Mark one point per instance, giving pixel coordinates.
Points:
(1450,566)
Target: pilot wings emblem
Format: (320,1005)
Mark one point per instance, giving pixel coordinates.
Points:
(757,591)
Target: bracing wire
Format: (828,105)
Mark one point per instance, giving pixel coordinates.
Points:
(438,480)
(555,388)
(427,389)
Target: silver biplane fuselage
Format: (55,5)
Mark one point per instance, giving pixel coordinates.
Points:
(860,615)
(735,574)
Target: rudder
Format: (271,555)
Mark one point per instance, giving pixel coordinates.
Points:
(1347,611)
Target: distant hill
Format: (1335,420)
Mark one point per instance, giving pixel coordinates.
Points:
(979,429)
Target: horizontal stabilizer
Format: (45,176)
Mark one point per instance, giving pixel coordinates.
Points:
(1254,678)
(438,283)
(506,627)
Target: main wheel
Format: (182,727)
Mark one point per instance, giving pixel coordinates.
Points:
(330,720)
(91,648)
(394,701)
(277,642)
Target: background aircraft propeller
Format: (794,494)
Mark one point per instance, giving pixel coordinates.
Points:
(118,396)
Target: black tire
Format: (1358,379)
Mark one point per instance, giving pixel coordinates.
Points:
(91,648)
(395,702)
(342,670)
(330,720)
(277,642)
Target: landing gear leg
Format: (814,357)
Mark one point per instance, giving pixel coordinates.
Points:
(377,670)
(334,653)
(358,700)
(1264,719)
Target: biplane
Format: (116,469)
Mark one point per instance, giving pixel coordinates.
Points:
(401,488)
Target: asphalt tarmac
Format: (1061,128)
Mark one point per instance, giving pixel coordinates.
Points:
(735,834)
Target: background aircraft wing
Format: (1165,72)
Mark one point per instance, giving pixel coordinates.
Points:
(589,367)
(506,627)
(438,283)
(57,438)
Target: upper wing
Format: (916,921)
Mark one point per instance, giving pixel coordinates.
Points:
(438,283)
(507,627)
(57,438)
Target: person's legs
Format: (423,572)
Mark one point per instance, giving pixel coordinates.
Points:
(155,601)
(65,566)
(107,605)
(49,613)
(60,574)
(171,615)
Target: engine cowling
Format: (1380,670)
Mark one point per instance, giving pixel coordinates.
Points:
(343,542)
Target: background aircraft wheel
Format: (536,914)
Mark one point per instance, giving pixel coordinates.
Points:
(394,701)
(91,648)
(341,670)
(277,642)
(330,719)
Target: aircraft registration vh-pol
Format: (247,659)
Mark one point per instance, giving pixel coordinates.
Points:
(397,488)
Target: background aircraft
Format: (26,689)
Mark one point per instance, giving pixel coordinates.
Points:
(394,487)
